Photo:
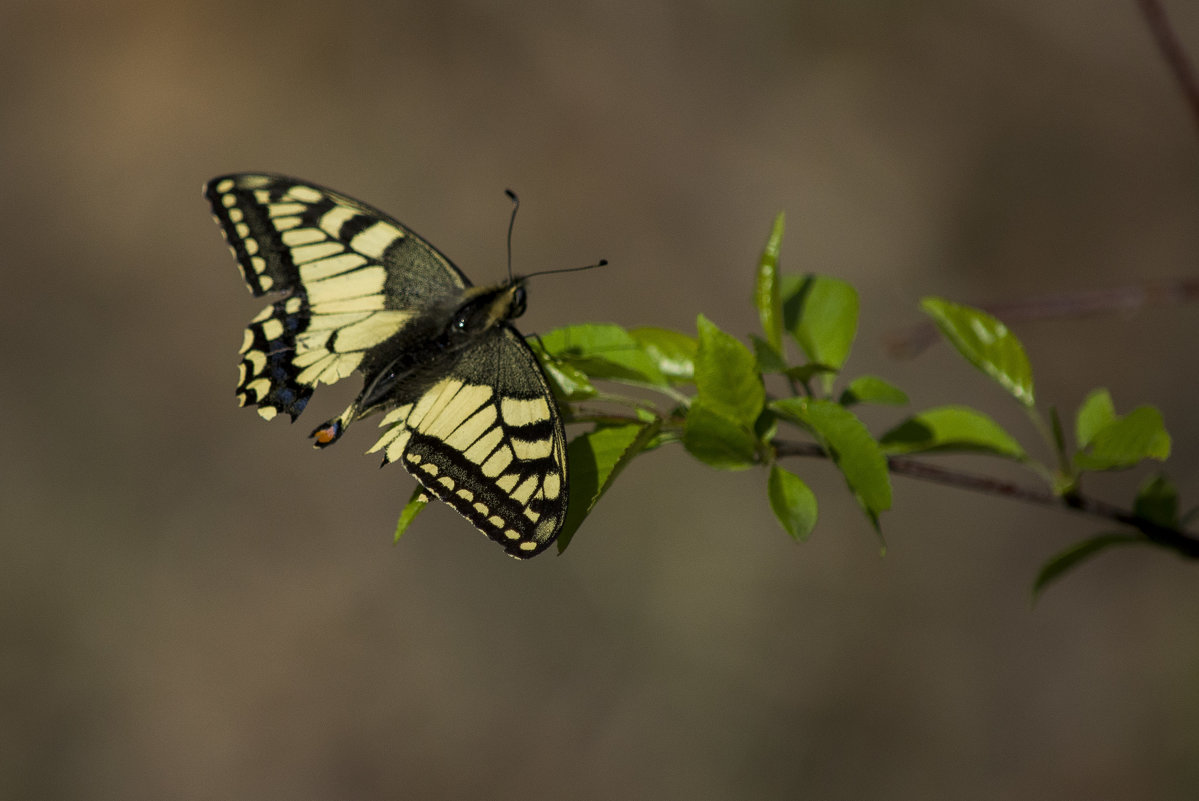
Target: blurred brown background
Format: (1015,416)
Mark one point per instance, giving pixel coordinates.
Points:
(196,605)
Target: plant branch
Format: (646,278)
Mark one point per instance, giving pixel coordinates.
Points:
(1181,541)
(913,340)
(1171,49)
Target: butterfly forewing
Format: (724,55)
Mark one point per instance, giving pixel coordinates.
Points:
(478,427)
(354,277)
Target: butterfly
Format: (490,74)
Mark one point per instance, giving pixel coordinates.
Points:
(466,408)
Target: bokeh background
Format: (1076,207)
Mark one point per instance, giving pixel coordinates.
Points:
(196,605)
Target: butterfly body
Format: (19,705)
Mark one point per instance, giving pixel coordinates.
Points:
(465,406)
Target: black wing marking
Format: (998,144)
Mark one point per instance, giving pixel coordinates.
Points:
(488,440)
(354,277)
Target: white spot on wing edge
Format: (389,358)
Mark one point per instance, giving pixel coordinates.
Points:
(260,388)
(256,360)
(272,329)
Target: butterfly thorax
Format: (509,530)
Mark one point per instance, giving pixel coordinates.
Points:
(482,308)
(405,367)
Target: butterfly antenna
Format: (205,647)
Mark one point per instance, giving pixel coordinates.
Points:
(511,224)
(600,263)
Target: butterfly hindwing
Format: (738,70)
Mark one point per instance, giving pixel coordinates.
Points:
(354,277)
(487,439)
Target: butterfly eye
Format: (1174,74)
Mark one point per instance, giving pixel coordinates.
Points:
(518,302)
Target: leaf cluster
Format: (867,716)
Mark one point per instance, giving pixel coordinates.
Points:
(708,392)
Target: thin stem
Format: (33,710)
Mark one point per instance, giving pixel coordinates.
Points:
(1181,541)
(1171,49)
(910,342)
(1046,434)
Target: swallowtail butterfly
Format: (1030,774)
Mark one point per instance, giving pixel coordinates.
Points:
(466,408)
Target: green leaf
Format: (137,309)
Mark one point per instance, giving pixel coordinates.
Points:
(766,290)
(986,343)
(769,359)
(951,428)
(1075,555)
(1063,484)
(672,351)
(594,460)
(718,440)
(804,373)
(822,314)
(603,351)
(419,500)
(1095,413)
(766,427)
(1059,438)
(568,383)
(1139,435)
(1157,501)
(849,444)
(793,502)
(871,389)
(726,375)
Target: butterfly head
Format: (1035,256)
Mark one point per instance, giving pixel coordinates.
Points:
(487,307)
